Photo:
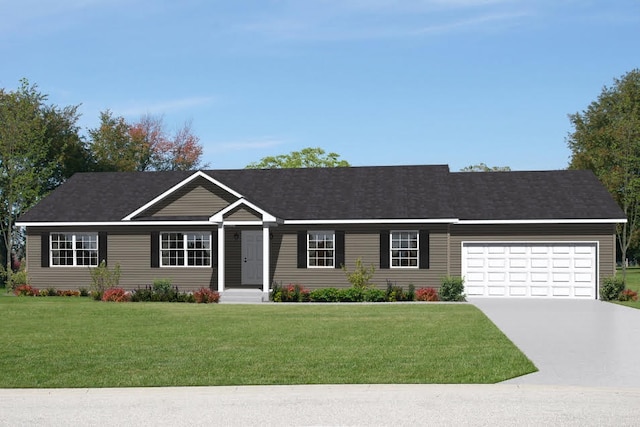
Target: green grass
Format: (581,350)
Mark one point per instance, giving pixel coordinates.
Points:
(78,342)
(632,282)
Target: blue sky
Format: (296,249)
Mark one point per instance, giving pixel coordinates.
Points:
(381,82)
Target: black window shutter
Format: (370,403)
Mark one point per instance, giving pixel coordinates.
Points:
(339,249)
(384,249)
(44,250)
(214,248)
(424,249)
(302,249)
(102,247)
(155,249)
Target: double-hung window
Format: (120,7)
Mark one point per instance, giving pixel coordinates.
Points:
(321,249)
(185,249)
(74,249)
(404,249)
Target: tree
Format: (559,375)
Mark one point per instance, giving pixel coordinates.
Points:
(305,158)
(112,146)
(606,139)
(482,167)
(24,166)
(144,145)
(65,144)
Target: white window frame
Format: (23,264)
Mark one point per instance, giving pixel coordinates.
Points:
(185,248)
(75,239)
(392,249)
(331,233)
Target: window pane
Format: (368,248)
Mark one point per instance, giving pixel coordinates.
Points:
(404,249)
(320,248)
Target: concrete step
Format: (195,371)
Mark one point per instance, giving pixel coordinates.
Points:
(243,296)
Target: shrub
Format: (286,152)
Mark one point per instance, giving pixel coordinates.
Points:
(452,289)
(411,293)
(361,276)
(628,295)
(96,295)
(84,292)
(426,294)
(142,295)
(611,288)
(102,278)
(374,295)
(162,285)
(293,293)
(116,295)
(324,295)
(68,293)
(204,296)
(52,292)
(26,291)
(351,295)
(395,292)
(44,293)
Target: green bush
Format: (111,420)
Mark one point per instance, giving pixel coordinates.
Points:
(611,288)
(351,295)
(361,276)
(451,289)
(84,292)
(374,295)
(395,292)
(411,293)
(325,295)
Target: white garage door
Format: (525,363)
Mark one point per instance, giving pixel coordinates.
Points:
(530,269)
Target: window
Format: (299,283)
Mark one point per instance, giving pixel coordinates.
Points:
(404,249)
(186,249)
(74,249)
(321,249)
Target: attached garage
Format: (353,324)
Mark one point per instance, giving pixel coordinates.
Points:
(527,269)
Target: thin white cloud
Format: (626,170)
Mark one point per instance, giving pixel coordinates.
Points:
(470,23)
(250,144)
(162,107)
(336,20)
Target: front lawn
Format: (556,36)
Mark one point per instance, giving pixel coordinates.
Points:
(632,282)
(78,342)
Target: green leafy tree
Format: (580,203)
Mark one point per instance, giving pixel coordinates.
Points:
(145,145)
(305,158)
(482,167)
(606,139)
(24,166)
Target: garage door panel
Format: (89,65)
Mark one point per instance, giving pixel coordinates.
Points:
(567,270)
(518,291)
(539,262)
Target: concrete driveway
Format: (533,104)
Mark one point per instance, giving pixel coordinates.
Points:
(572,343)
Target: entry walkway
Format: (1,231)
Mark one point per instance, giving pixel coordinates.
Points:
(571,342)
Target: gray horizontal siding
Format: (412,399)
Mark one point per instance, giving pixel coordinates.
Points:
(361,241)
(242,213)
(198,198)
(604,234)
(128,246)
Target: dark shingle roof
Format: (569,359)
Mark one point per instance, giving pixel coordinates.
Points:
(381,192)
(565,194)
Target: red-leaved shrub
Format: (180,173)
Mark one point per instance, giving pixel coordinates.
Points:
(204,296)
(116,295)
(426,294)
(26,291)
(628,295)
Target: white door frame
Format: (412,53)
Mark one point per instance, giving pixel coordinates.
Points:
(252,260)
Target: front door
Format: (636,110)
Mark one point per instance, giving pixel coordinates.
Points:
(251,257)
